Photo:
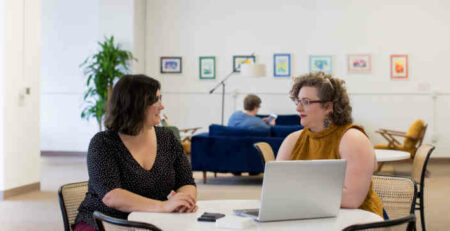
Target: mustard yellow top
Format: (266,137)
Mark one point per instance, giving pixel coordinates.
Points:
(325,145)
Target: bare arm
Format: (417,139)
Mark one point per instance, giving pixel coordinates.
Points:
(127,201)
(356,148)
(284,153)
(190,190)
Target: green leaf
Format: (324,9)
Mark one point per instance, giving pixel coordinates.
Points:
(102,69)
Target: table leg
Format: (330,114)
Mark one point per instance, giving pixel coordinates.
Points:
(380,165)
(204,177)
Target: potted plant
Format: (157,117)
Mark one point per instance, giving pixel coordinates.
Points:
(103,69)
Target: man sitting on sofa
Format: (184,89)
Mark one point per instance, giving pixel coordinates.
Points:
(247,118)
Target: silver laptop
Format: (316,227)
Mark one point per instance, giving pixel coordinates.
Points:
(299,189)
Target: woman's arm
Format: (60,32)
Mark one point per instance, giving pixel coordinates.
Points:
(356,148)
(127,201)
(284,153)
(190,190)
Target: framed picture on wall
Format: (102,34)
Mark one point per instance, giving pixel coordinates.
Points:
(399,66)
(282,65)
(321,63)
(207,67)
(240,59)
(171,65)
(359,63)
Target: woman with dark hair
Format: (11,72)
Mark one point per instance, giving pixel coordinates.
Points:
(328,133)
(134,165)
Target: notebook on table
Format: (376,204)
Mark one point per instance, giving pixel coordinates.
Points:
(299,189)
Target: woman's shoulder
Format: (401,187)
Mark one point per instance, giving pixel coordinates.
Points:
(293,137)
(162,131)
(353,131)
(104,137)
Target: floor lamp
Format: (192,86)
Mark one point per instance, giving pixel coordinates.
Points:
(248,70)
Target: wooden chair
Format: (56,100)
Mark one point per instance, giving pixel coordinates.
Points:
(70,197)
(409,221)
(184,139)
(418,173)
(398,194)
(107,223)
(411,139)
(266,152)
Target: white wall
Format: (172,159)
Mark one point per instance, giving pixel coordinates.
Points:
(19,113)
(2,97)
(312,27)
(70,32)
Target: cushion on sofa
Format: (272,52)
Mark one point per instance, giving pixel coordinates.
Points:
(283,131)
(292,119)
(219,130)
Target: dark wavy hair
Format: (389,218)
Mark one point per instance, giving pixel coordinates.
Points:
(130,98)
(329,89)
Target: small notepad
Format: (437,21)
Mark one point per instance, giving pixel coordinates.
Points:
(234,222)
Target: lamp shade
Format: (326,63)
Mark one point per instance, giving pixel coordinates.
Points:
(253,70)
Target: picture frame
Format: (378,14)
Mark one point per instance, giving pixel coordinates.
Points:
(322,63)
(282,65)
(240,59)
(171,65)
(207,67)
(359,63)
(399,66)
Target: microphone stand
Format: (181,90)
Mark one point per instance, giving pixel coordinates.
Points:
(223,87)
(223,91)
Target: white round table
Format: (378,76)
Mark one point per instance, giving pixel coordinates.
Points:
(384,155)
(188,221)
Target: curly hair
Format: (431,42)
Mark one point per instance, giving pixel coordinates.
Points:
(330,90)
(130,98)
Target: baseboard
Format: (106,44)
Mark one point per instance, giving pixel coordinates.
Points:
(20,190)
(63,153)
(440,160)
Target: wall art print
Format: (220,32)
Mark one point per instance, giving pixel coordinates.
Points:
(322,63)
(171,64)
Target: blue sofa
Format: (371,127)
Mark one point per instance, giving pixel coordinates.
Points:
(227,149)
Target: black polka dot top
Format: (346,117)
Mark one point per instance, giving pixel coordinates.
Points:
(111,165)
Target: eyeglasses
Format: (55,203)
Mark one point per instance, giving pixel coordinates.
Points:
(158,100)
(307,102)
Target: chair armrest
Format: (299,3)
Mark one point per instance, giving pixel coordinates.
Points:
(395,133)
(391,132)
(192,130)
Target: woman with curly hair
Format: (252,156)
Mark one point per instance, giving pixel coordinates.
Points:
(328,133)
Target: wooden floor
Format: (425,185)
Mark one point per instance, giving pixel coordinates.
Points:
(40,210)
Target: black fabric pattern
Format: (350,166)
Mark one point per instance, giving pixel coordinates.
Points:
(111,165)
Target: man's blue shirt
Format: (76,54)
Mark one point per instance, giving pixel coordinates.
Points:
(240,119)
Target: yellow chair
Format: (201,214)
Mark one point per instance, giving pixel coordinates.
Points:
(266,151)
(412,139)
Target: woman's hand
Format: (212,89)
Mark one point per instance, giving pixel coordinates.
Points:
(180,202)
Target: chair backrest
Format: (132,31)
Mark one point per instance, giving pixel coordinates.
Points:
(265,150)
(416,130)
(420,163)
(398,194)
(395,224)
(70,197)
(176,132)
(107,223)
